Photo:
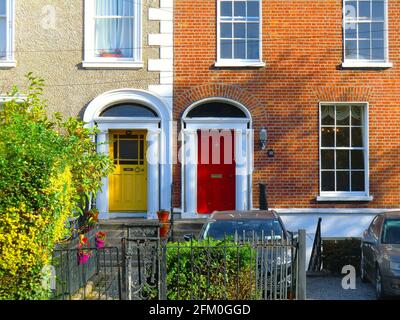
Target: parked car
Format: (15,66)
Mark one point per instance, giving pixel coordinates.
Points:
(380,254)
(244,223)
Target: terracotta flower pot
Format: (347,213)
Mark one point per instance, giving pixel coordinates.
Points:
(164,230)
(111,55)
(83,258)
(100,243)
(163,216)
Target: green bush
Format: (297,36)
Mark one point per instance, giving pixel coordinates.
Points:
(48,168)
(338,253)
(210,270)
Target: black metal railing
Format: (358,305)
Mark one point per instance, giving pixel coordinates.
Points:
(252,268)
(98,278)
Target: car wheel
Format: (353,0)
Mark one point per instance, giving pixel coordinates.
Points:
(378,284)
(363,274)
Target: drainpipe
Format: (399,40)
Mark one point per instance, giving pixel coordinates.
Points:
(263,196)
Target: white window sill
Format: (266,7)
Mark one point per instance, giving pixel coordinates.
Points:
(361,64)
(239,64)
(7,64)
(112,65)
(344,198)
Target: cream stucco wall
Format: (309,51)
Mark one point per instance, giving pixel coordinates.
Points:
(56,54)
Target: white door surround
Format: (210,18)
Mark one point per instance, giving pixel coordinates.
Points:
(243,154)
(159,139)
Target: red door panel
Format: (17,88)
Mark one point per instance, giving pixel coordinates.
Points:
(216,169)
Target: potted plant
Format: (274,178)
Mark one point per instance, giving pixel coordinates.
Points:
(163,216)
(164,230)
(100,239)
(83,254)
(112,53)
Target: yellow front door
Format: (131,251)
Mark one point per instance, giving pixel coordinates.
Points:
(128,183)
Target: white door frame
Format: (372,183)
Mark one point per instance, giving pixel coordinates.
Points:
(159,152)
(243,154)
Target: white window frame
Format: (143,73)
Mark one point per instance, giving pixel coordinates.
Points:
(9,61)
(91,61)
(357,63)
(237,62)
(345,195)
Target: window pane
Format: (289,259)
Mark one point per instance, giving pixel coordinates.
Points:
(253,49)
(128,149)
(364,11)
(351,10)
(357,181)
(357,159)
(226,49)
(327,159)
(226,9)
(253,9)
(240,9)
(128,110)
(378,50)
(377,30)
(351,49)
(226,30)
(351,30)
(327,137)
(357,116)
(342,115)
(342,159)
(328,181)
(114,38)
(364,30)
(342,137)
(253,30)
(2,7)
(3,36)
(356,137)
(114,8)
(364,49)
(239,49)
(327,115)
(378,10)
(343,181)
(239,30)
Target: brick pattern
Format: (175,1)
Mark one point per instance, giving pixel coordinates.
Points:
(302,48)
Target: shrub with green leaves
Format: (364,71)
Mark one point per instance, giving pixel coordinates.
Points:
(210,270)
(48,169)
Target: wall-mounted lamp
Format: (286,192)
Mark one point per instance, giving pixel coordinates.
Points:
(263,138)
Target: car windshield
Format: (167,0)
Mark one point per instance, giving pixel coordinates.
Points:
(220,229)
(391,231)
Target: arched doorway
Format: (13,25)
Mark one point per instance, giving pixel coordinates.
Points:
(135,131)
(217,157)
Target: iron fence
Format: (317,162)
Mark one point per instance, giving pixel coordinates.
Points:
(245,268)
(98,278)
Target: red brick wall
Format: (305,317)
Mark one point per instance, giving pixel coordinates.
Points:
(302,48)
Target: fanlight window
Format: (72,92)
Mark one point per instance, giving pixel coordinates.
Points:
(216,110)
(129,110)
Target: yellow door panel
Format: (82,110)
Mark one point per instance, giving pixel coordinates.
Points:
(128,183)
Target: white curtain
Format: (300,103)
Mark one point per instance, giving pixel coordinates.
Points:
(341,113)
(114,34)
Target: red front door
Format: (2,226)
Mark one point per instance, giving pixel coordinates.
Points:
(216,170)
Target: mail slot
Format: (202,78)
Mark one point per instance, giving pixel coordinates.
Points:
(217,176)
(128,169)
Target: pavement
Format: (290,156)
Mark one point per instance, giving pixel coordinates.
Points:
(330,288)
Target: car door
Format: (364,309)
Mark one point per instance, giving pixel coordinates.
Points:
(367,244)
